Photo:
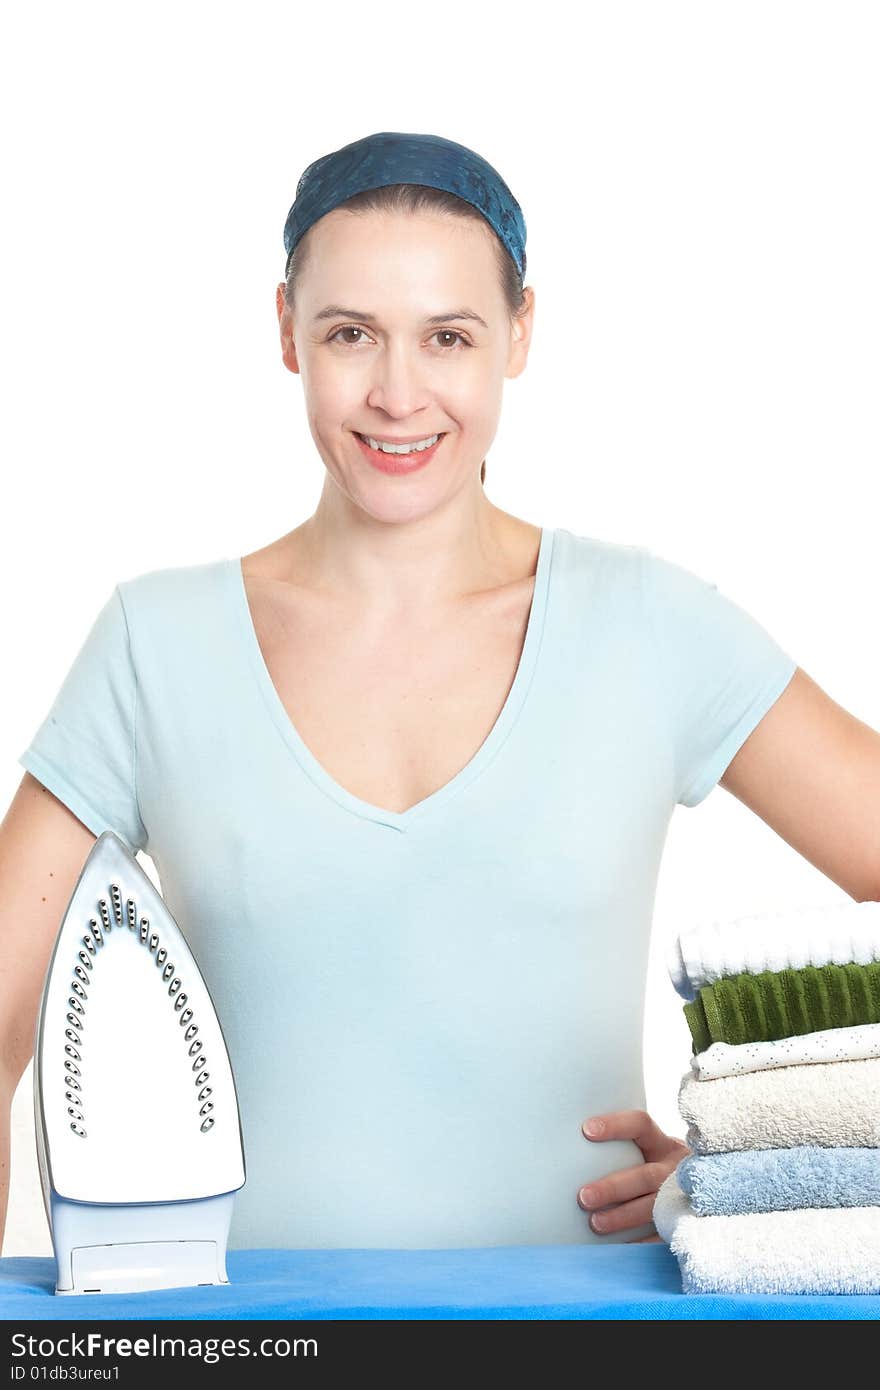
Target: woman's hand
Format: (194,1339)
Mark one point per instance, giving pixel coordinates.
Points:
(627,1196)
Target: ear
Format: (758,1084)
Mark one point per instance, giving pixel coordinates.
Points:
(521,335)
(285,324)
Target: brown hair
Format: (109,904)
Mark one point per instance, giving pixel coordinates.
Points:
(419,197)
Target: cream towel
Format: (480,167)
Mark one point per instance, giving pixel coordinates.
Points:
(827,1103)
(825,1045)
(808,1250)
(834,934)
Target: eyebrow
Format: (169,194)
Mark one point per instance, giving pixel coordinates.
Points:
(335,311)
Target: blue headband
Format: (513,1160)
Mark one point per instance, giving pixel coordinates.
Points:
(389,157)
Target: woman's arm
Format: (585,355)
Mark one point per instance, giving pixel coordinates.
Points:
(43,847)
(811,770)
(7,1091)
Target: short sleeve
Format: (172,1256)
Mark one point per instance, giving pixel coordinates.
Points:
(84,751)
(718,672)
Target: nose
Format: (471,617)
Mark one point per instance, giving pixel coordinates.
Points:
(398,386)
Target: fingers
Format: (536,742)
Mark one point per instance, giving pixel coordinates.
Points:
(625,1199)
(625,1216)
(636,1125)
(622,1185)
(646,1240)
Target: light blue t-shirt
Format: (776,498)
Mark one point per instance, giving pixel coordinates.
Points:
(421,1008)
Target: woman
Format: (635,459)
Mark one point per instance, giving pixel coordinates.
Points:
(406,771)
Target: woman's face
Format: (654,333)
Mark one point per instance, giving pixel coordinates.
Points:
(381,340)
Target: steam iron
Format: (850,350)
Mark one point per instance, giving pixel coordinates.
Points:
(138,1130)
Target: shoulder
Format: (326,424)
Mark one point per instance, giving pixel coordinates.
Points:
(620,568)
(592,550)
(174,590)
(632,584)
(178,614)
(597,565)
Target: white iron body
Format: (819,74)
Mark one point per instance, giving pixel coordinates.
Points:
(137,1122)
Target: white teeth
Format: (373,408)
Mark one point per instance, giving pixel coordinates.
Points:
(401,448)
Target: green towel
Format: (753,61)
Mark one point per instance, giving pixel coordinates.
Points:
(783,1003)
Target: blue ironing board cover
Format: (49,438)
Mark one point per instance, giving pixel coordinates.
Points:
(616,1280)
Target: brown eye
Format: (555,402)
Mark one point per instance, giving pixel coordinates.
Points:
(450,333)
(347,328)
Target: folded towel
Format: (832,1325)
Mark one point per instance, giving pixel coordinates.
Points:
(826,1045)
(758,1180)
(780,1004)
(831,934)
(815,1250)
(827,1103)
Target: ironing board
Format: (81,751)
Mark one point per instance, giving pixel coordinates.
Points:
(610,1281)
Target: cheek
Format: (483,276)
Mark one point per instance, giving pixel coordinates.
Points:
(334,395)
(478,400)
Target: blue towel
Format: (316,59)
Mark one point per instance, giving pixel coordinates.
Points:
(807,1175)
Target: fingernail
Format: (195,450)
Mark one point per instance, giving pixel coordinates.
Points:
(597,1223)
(588,1196)
(595,1126)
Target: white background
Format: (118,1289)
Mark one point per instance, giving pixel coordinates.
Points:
(700,187)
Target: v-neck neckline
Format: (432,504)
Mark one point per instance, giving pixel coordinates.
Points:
(398,820)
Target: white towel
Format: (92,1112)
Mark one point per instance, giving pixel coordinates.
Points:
(809,1250)
(827,1103)
(833,934)
(825,1045)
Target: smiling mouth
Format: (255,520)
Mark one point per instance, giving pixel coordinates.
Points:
(399,461)
(402,448)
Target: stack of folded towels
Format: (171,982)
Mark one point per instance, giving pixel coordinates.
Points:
(781,1190)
